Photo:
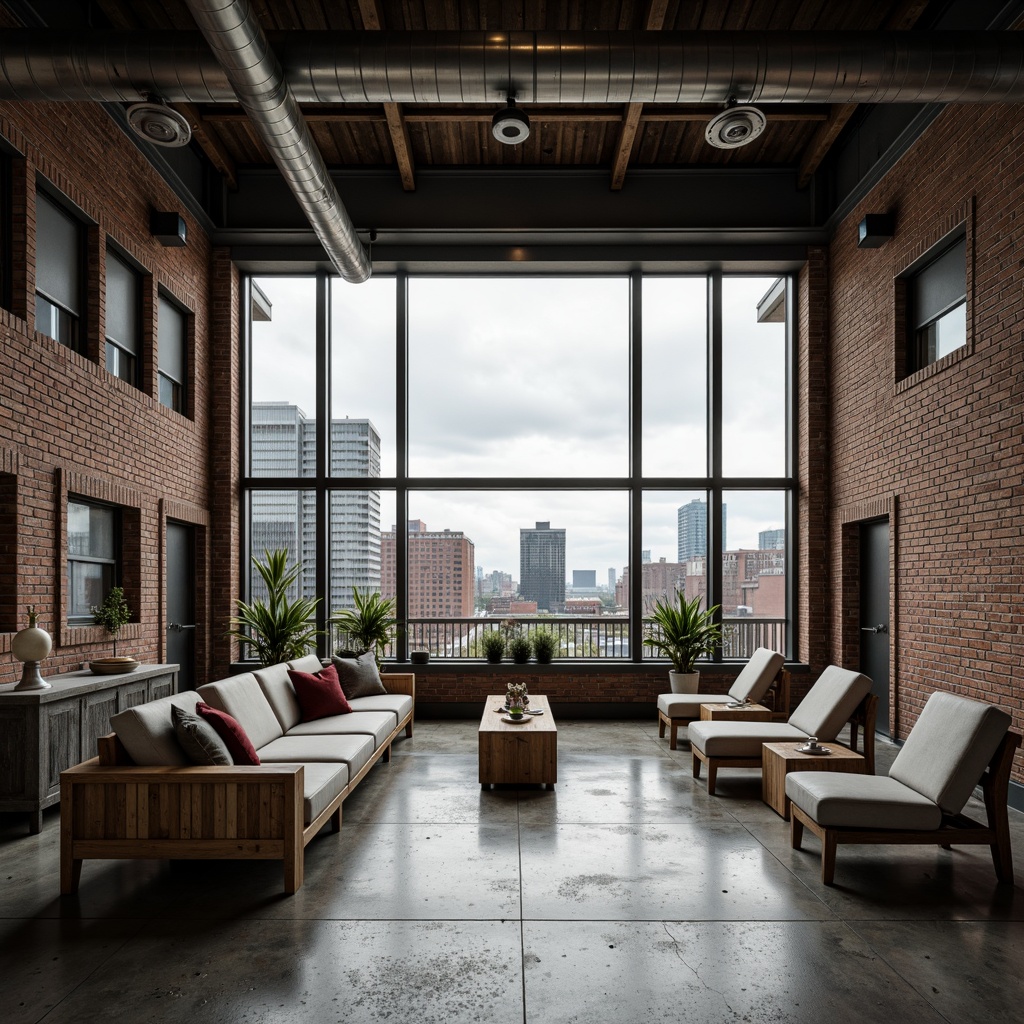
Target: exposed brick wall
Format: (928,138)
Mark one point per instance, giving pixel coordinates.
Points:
(946,445)
(69,424)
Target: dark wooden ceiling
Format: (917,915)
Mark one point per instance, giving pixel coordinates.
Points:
(617,137)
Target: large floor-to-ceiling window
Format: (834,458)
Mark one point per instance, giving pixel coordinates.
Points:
(559,451)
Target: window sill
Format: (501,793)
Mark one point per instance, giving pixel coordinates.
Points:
(932,369)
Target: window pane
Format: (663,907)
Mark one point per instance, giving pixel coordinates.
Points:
(120,364)
(518,377)
(90,530)
(363,376)
(171,340)
(754,571)
(753,382)
(283,360)
(947,333)
(675,376)
(284,520)
(357,519)
(674,543)
(89,584)
(58,255)
(122,308)
(520,548)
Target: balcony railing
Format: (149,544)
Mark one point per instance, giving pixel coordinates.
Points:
(604,637)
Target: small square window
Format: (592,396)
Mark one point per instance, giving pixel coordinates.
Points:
(937,306)
(94,541)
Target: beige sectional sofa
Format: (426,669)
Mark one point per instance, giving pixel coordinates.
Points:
(142,798)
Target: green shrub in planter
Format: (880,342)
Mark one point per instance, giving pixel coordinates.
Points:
(520,648)
(545,645)
(494,646)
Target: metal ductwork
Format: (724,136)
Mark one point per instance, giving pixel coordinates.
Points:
(256,78)
(539,67)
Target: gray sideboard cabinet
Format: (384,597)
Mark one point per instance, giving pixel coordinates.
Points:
(42,732)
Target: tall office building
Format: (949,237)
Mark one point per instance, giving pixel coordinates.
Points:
(542,567)
(284,444)
(692,527)
(613,577)
(771,540)
(441,573)
(584,578)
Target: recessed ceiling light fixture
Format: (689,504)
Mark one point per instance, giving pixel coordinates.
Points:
(735,126)
(510,125)
(158,123)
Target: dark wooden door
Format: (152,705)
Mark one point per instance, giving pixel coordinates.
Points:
(181,602)
(874,613)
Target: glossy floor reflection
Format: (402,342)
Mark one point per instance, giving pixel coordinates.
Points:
(625,894)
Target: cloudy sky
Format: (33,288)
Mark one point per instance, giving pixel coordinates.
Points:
(530,377)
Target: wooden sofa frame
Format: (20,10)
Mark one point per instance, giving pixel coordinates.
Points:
(111,808)
(863,718)
(958,830)
(777,695)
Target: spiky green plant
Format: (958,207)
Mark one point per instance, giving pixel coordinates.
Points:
(371,625)
(683,631)
(279,628)
(545,644)
(493,645)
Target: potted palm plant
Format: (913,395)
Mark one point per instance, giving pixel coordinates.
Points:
(370,626)
(279,628)
(683,632)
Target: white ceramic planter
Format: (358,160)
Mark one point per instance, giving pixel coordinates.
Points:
(684,682)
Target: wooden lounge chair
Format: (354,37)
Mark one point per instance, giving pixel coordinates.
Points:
(836,698)
(761,674)
(956,743)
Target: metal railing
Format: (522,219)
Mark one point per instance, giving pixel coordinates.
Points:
(604,637)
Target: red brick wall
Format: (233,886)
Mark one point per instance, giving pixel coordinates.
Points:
(942,452)
(68,426)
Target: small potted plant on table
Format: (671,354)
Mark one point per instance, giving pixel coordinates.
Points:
(113,614)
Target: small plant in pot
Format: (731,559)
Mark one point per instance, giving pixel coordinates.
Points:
(113,613)
(545,645)
(683,632)
(520,648)
(370,626)
(493,645)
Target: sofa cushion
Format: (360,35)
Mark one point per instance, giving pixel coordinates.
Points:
(687,705)
(399,704)
(355,751)
(321,784)
(830,702)
(319,693)
(837,799)
(199,739)
(359,676)
(378,724)
(242,697)
(280,693)
(949,748)
(231,732)
(147,732)
(757,675)
(740,739)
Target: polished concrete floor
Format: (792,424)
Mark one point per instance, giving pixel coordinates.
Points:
(625,894)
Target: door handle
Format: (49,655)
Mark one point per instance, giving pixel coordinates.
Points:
(178,627)
(880,628)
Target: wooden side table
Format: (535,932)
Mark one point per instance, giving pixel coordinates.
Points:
(724,713)
(521,754)
(778,759)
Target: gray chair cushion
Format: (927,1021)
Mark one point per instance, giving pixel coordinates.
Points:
(242,698)
(359,676)
(836,799)
(830,702)
(949,748)
(280,693)
(739,739)
(757,675)
(147,732)
(321,783)
(378,724)
(355,751)
(200,741)
(687,705)
(399,704)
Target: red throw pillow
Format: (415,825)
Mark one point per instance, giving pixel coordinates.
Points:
(240,746)
(319,693)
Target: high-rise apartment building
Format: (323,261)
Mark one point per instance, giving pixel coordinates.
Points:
(283,443)
(442,572)
(692,529)
(772,540)
(542,566)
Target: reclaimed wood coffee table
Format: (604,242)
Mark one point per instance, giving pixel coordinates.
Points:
(522,754)
(778,759)
(724,713)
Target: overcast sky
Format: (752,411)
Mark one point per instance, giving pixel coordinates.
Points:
(530,377)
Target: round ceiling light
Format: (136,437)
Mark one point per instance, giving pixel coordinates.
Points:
(735,127)
(510,126)
(159,124)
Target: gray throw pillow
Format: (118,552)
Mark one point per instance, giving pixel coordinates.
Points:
(359,676)
(199,739)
